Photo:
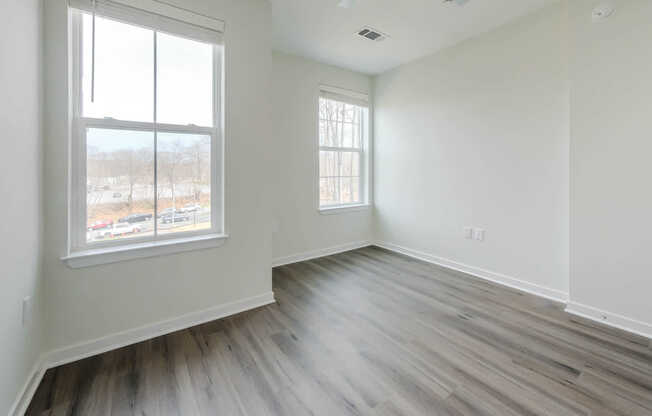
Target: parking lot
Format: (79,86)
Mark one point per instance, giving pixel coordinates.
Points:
(195,220)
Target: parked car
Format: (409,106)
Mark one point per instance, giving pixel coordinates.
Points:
(117,195)
(176,217)
(136,218)
(98,225)
(191,208)
(166,211)
(124,228)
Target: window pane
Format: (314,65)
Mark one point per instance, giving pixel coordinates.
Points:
(120,184)
(350,164)
(357,131)
(185,81)
(329,165)
(323,133)
(355,190)
(339,111)
(350,113)
(124,70)
(334,130)
(329,133)
(347,193)
(327,109)
(184,182)
(339,124)
(328,191)
(339,181)
(347,134)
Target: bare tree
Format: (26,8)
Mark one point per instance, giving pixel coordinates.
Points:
(199,155)
(171,157)
(134,166)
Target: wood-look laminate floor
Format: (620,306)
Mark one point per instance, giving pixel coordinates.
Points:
(369,332)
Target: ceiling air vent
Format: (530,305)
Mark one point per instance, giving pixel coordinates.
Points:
(372,34)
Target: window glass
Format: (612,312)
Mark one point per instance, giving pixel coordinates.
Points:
(184,182)
(124,70)
(340,155)
(185,79)
(148,135)
(120,184)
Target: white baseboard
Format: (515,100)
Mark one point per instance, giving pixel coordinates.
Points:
(309,255)
(121,339)
(548,293)
(584,311)
(611,319)
(29,388)
(132,336)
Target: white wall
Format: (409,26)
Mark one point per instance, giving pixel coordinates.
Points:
(84,304)
(301,228)
(478,135)
(611,71)
(20,186)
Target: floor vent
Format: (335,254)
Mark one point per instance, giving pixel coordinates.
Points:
(372,34)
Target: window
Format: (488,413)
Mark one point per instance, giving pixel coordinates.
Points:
(146,132)
(343,149)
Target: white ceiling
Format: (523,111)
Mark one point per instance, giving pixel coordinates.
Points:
(321,30)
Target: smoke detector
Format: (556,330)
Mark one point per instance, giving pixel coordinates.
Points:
(602,12)
(346,4)
(372,34)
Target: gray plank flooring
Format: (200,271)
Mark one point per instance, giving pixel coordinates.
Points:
(369,332)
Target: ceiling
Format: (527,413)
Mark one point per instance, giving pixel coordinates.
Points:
(320,30)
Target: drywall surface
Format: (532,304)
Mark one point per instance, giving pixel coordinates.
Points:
(478,136)
(20,185)
(300,228)
(85,304)
(611,124)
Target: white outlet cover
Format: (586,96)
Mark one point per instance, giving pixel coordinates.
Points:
(27,310)
(468,233)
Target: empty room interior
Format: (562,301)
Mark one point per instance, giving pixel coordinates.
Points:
(326,207)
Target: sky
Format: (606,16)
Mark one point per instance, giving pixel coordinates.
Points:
(124,67)
(111,140)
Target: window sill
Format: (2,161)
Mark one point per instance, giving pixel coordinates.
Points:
(99,256)
(344,209)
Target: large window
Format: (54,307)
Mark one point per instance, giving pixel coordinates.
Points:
(343,149)
(147,143)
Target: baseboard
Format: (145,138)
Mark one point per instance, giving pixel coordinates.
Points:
(29,388)
(611,319)
(309,255)
(122,339)
(548,293)
(132,336)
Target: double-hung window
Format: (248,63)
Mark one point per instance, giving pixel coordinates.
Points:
(343,149)
(147,145)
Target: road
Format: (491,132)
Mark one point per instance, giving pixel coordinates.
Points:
(196,218)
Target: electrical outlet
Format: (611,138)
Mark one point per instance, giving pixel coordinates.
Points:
(468,233)
(27,310)
(478,234)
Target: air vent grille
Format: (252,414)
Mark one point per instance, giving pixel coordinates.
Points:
(372,34)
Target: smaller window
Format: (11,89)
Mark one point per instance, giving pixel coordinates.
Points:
(343,149)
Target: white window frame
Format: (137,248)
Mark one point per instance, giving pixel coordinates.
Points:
(362,100)
(82,253)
